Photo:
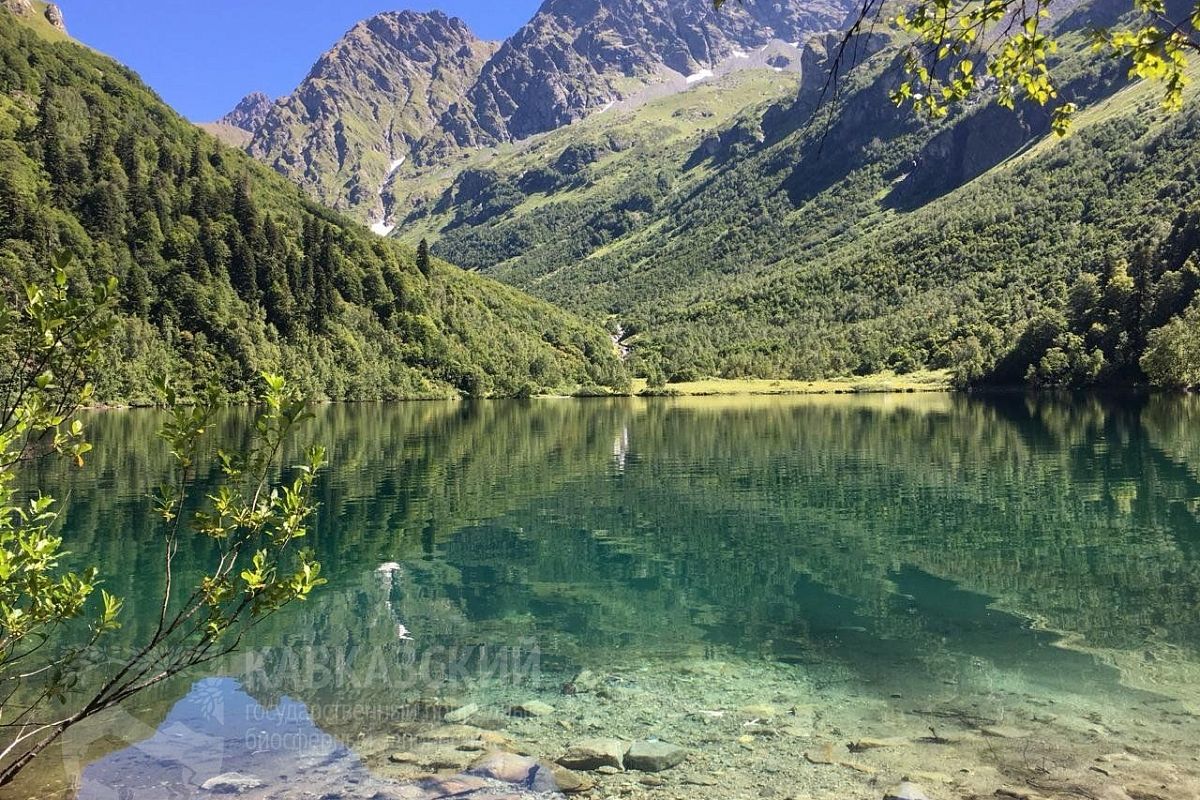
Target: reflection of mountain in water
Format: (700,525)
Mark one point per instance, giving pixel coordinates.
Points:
(877,531)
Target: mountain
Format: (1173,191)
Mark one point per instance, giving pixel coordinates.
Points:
(732,231)
(227,269)
(734,221)
(250,113)
(236,128)
(577,56)
(367,103)
(415,92)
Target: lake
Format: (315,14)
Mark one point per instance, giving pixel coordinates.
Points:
(815,596)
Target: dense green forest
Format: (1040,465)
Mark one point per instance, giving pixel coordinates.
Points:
(226,270)
(740,236)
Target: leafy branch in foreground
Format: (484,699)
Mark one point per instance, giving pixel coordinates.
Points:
(50,337)
(1014,38)
(1014,42)
(255,521)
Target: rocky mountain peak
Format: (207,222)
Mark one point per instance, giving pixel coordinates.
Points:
(367,102)
(416,89)
(578,55)
(392,38)
(250,112)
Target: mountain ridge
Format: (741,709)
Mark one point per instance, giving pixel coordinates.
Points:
(363,111)
(366,103)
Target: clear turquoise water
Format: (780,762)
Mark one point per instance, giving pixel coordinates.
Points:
(927,547)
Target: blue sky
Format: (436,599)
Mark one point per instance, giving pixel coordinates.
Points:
(203,56)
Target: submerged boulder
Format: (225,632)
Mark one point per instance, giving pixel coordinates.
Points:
(529,773)
(590,754)
(654,756)
(231,783)
(531,708)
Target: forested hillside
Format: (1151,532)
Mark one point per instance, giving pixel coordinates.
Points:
(225,269)
(734,233)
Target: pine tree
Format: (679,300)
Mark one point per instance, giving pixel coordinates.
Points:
(48,135)
(423,257)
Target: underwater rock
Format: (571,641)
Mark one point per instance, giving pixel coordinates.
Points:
(649,756)
(568,781)
(583,683)
(231,783)
(907,790)
(512,768)
(532,708)
(462,714)
(591,754)
(529,773)
(821,755)
(455,786)
(445,758)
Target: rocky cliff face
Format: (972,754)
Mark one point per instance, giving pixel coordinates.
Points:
(22,8)
(54,16)
(250,113)
(27,9)
(575,56)
(410,88)
(367,103)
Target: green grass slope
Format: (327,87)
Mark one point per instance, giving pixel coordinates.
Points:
(225,269)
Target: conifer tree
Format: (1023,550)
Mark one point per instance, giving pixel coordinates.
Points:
(423,257)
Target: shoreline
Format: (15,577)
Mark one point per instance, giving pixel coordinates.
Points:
(881,383)
(922,382)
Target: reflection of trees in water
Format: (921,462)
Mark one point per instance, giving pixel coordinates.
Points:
(782,524)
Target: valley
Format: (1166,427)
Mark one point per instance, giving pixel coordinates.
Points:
(738,220)
(642,399)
